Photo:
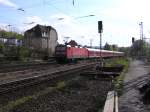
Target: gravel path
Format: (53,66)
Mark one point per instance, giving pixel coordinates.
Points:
(130,101)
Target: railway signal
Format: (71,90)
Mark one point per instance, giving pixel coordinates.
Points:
(133,39)
(100,26)
(100,30)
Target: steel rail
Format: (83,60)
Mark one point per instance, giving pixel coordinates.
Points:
(11,68)
(37,79)
(136,82)
(138,78)
(30,73)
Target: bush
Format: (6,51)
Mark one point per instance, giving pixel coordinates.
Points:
(1,48)
(118,82)
(10,53)
(24,53)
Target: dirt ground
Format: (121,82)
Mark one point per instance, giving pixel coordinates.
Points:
(131,101)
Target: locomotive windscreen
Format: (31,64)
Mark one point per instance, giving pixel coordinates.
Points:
(60,50)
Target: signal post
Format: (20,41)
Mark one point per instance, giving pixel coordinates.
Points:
(100,30)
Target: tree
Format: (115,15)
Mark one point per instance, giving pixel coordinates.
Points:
(115,47)
(6,34)
(107,46)
(140,48)
(125,50)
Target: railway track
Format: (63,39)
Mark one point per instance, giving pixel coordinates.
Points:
(135,83)
(25,72)
(17,67)
(37,77)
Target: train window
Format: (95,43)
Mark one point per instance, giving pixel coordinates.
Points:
(57,48)
(63,48)
(60,48)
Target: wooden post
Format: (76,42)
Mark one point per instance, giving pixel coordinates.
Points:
(109,104)
(116,102)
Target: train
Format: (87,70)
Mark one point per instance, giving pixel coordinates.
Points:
(65,53)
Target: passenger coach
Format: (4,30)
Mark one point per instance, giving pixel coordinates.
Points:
(67,53)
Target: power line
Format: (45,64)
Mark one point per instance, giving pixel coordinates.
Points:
(59,10)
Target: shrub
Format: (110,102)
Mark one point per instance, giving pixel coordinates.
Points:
(24,53)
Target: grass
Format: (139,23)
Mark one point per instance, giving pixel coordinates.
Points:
(117,61)
(118,81)
(100,103)
(61,85)
(13,104)
(118,84)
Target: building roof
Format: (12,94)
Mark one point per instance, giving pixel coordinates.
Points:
(38,29)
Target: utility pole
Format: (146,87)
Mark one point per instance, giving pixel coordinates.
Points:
(9,26)
(141,37)
(91,40)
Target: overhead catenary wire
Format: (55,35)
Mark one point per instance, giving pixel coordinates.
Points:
(45,3)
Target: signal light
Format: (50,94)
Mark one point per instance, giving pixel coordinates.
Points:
(133,40)
(100,26)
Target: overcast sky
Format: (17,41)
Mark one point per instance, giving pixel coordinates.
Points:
(120,18)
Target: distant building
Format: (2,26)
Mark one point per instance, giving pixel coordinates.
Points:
(72,43)
(12,41)
(2,40)
(41,39)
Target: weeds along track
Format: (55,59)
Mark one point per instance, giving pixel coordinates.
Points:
(37,77)
(132,84)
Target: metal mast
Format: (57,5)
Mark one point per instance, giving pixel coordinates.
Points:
(141,37)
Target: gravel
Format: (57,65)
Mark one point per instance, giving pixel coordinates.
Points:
(81,94)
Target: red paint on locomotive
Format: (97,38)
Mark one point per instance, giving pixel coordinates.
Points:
(64,52)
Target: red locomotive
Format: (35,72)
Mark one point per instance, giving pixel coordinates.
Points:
(65,53)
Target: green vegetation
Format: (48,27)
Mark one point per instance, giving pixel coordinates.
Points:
(118,61)
(118,84)
(116,48)
(12,52)
(125,50)
(118,81)
(13,104)
(24,53)
(60,85)
(1,48)
(100,104)
(110,47)
(6,34)
(140,49)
